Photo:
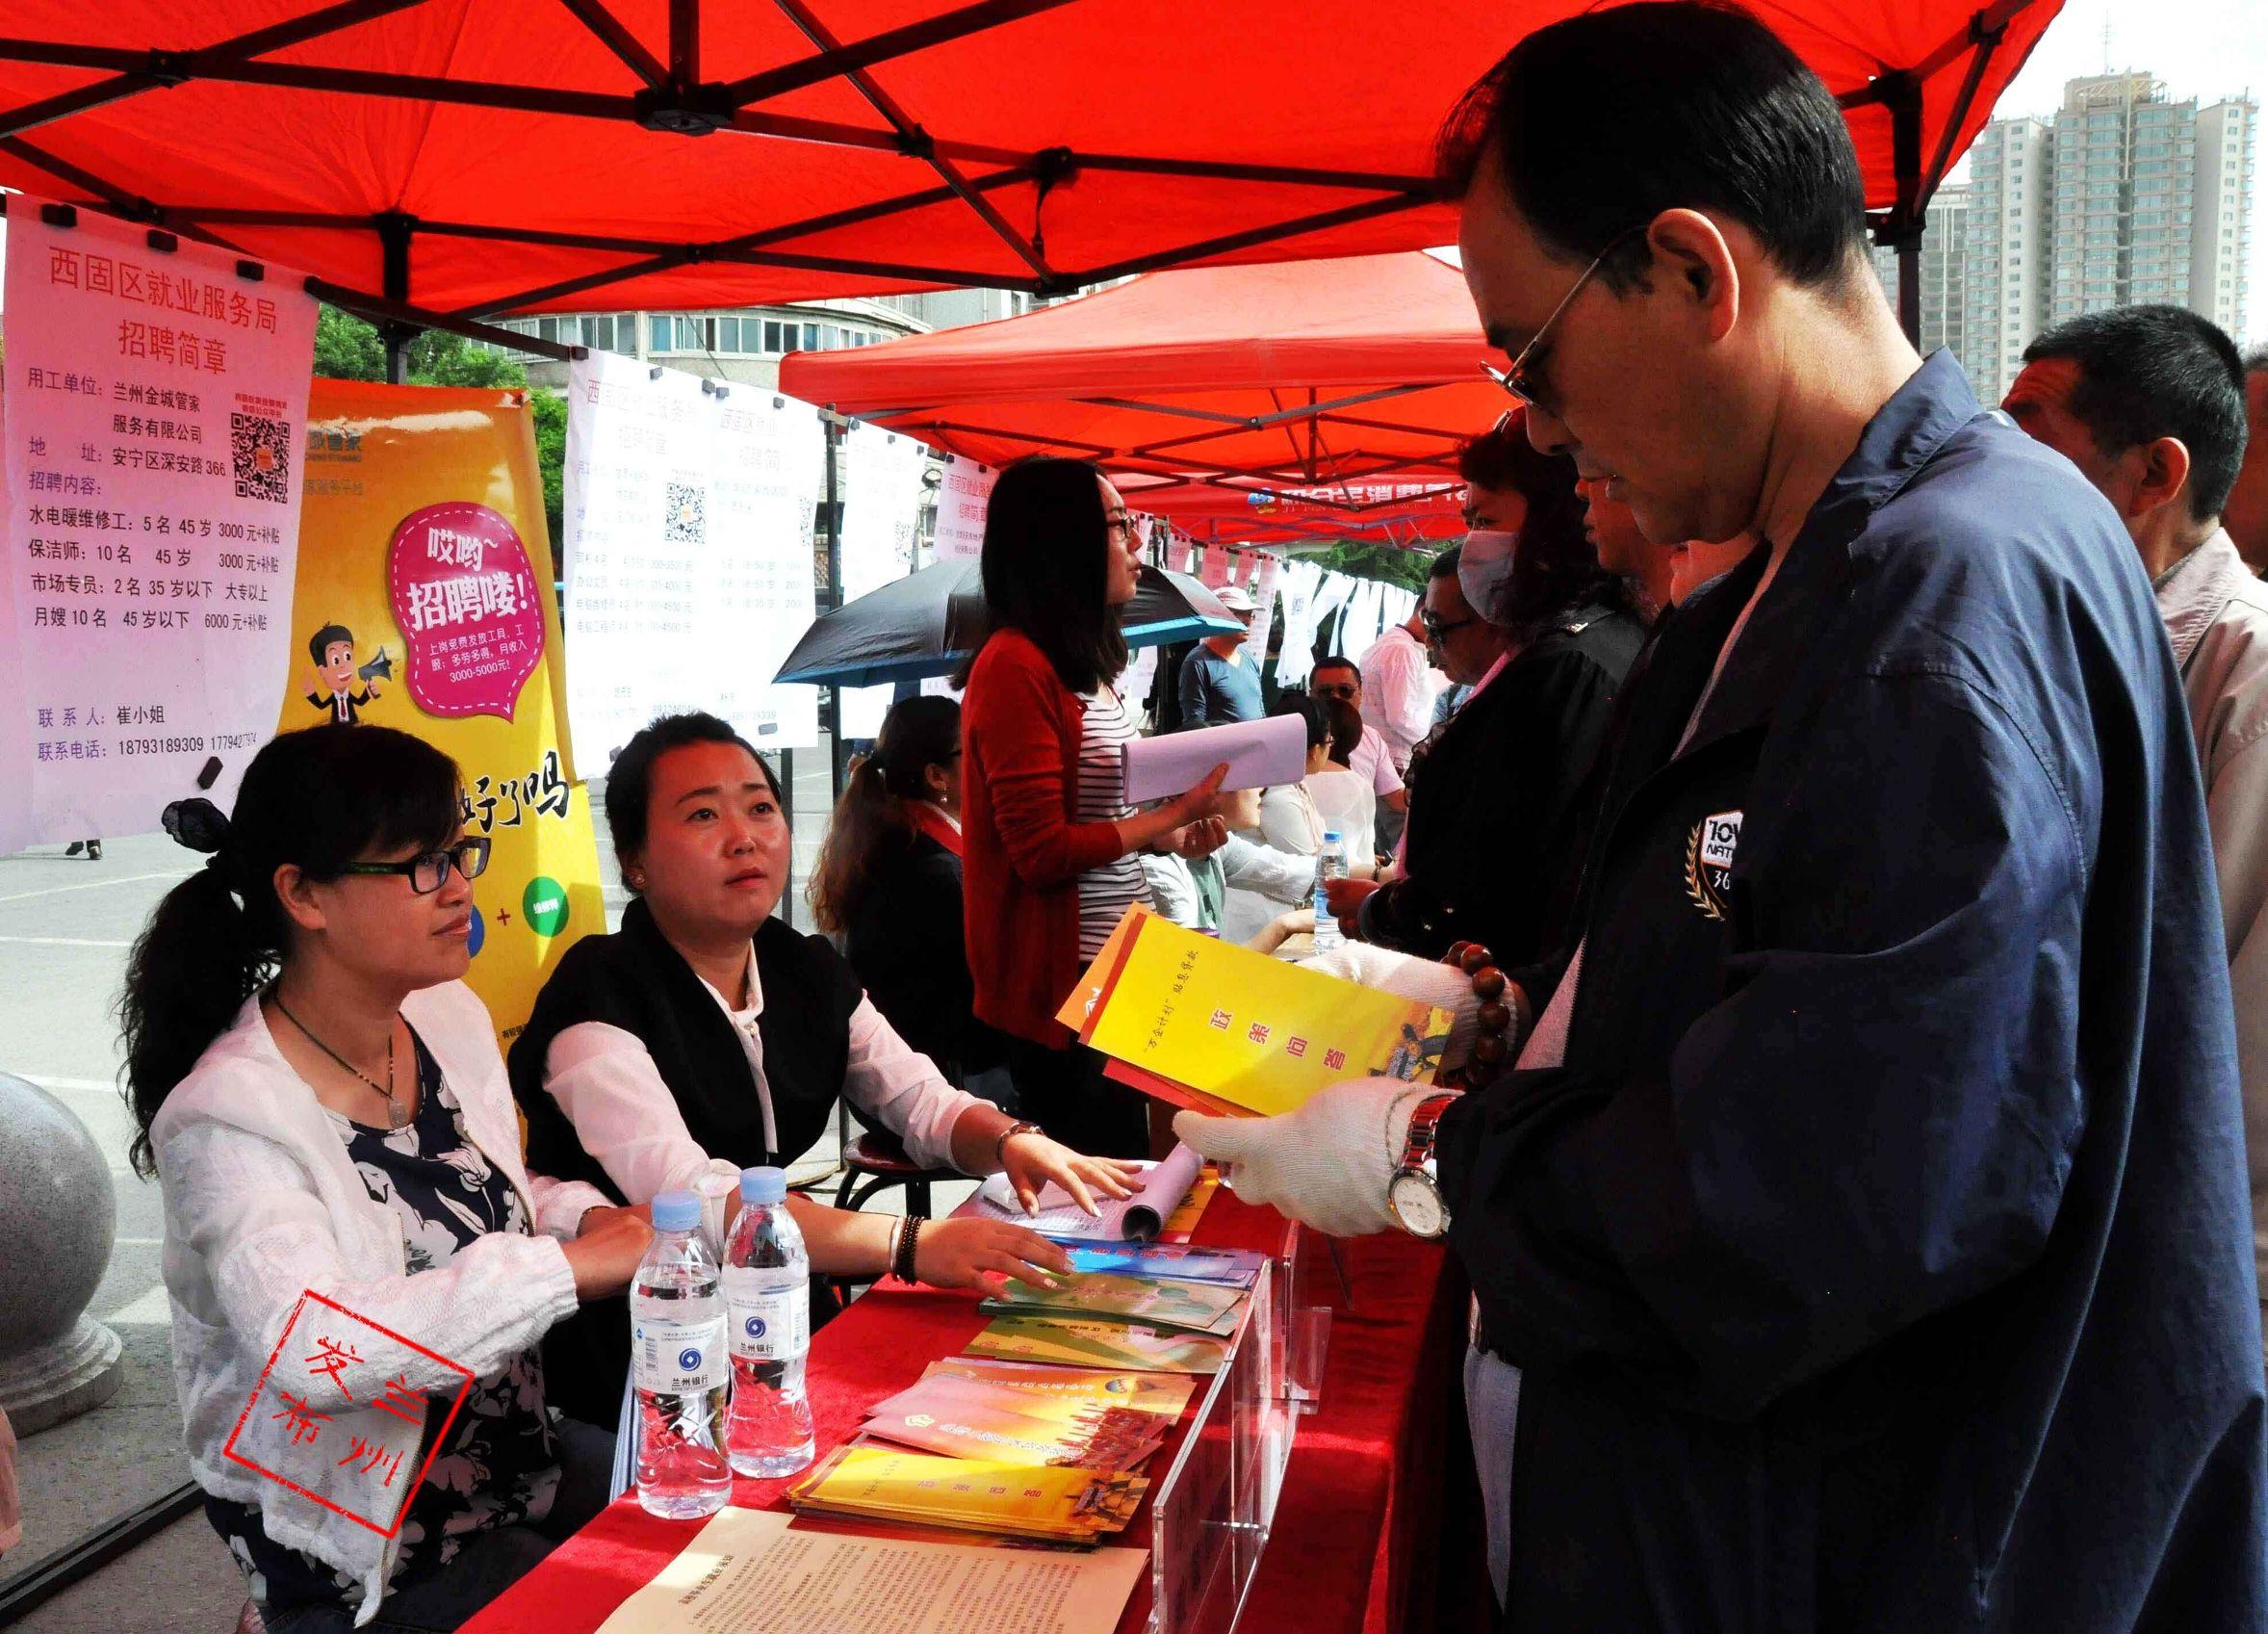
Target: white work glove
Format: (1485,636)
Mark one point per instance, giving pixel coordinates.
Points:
(1326,1164)
(1412,978)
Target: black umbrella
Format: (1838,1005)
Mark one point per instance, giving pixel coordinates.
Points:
(928,622)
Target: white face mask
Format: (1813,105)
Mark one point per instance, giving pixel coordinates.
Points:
(1484,570)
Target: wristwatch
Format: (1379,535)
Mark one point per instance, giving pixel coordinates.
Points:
(1413,1196)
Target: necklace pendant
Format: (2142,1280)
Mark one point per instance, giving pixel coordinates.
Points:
(397,1115)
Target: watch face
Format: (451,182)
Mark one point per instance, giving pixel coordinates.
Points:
(1417,1205)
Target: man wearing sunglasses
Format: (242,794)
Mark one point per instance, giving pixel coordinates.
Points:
(1861,1238)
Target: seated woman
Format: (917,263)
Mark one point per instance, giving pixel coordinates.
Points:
(322,1100)
(705,1037)
(888,883)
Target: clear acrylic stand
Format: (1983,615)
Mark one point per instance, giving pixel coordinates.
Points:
(1210,1515)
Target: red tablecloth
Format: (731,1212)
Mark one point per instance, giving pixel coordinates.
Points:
(1375,1526)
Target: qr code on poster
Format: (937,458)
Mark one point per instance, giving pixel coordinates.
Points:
(259,446)
(687,519)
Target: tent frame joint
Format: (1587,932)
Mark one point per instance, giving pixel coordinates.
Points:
(698,110)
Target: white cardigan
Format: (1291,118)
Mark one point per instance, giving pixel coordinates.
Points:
(263,1207)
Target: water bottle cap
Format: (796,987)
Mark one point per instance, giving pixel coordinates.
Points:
(1330,836)
(676,1211)
(764,1185)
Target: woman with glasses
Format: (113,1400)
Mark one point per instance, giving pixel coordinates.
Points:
(1498,797)
(706,1036)
(888,884)
(321,1098)
(1049,842)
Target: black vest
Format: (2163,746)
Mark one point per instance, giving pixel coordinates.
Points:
(637,981)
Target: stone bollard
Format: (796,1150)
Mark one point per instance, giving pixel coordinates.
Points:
(57,1214)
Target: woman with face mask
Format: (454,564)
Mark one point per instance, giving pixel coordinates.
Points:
(706,1036)
(321,1098)
(1522,613)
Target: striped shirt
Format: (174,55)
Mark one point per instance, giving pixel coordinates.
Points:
(1106,891)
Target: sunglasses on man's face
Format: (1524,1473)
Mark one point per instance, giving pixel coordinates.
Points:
(1345,689)
(1524,379)
(1436,631)
(430,871)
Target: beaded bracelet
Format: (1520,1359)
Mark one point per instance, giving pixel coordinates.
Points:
(902,1261)
(1492,1048)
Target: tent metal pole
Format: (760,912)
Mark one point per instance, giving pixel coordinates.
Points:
(1902,94)
(832,597)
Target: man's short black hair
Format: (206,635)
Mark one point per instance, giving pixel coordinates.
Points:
(1599,123)
(1336,661)
(1444,565)
(2152,371)
(629,780)
(319,643)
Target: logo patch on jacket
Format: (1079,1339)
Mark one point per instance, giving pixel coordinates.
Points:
(1708,862)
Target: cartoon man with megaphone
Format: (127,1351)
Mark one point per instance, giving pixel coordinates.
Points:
(332,680)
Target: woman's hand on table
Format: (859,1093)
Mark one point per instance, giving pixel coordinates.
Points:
(1030,1160)
(608,1244)
(965,1253)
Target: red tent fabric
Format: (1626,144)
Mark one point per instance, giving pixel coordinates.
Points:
(1301,398)
(543,155)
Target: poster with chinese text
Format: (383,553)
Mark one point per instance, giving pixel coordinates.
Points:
(688,557)
(156,401)
(425,603)
(961,505)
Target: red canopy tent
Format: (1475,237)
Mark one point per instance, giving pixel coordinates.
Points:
(1306,397)
(559,155)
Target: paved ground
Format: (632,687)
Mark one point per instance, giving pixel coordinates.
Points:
(66,925)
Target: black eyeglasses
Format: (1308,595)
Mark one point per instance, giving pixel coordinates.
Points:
(1521,379)
(1435,629)
(1119,523)
(1338,690)
(429,872)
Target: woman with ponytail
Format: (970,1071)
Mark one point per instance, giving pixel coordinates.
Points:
(323,1103)
(888,884)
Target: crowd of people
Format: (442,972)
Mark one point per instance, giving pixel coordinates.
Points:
(1869,871)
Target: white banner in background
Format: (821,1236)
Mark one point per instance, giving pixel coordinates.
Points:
(881,490)
(156,435)
(687,556)
(1295,660)
(961,505)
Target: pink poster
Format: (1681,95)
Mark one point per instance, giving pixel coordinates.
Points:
(465,599)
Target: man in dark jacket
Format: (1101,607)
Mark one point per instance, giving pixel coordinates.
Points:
(1863,1242)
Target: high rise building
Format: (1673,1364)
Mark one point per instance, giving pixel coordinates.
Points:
(1944,267)
(2004,288)
(2124,196)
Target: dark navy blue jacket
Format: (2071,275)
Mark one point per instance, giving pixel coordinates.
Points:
(1880,1257)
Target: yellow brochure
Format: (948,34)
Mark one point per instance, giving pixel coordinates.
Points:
(1244,1031)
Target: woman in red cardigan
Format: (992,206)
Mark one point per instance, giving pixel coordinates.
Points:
(1048,843)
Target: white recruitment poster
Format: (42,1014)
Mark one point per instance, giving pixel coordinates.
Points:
(1296,658)
(961,504)
(880,491)
(1267,573)
(689,554)
(156,428)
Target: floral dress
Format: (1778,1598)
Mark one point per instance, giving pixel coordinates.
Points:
(500,1466)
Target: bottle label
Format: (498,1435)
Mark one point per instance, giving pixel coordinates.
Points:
(767,1320)
(681,1352)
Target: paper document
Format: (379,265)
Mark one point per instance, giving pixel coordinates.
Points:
(751,1571)
(1137,1218)
(1261,754)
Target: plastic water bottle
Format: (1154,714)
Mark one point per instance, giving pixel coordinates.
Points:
(678,1366)
(1331,865)
(768,1316)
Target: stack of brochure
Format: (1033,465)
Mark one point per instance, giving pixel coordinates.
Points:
(868,1481)
(1127,1316)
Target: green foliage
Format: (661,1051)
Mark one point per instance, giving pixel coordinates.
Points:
(1395,566)
(348,348)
